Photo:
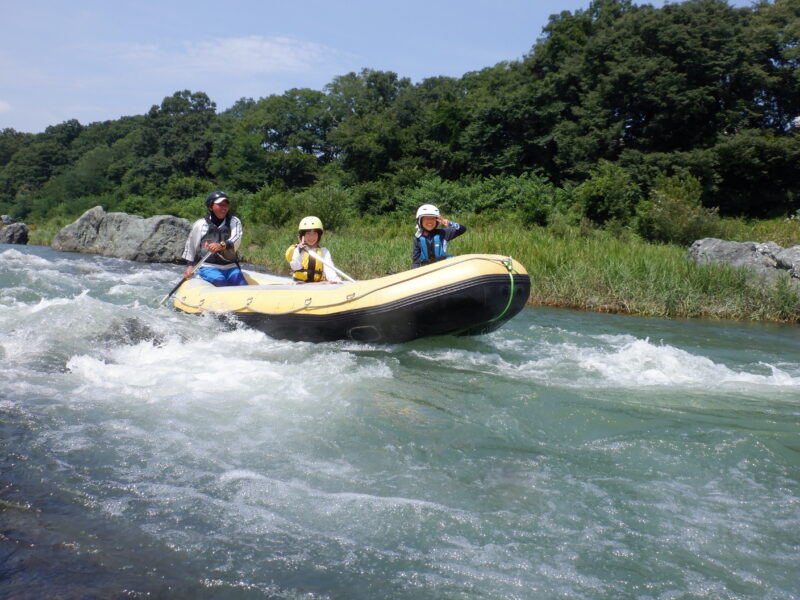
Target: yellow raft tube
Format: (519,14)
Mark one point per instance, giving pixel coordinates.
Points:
(465,295)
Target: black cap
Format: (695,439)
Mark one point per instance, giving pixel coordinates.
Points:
(216,198)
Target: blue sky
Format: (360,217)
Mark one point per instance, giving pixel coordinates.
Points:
(94,60)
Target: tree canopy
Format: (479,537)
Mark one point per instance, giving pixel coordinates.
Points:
(618,91)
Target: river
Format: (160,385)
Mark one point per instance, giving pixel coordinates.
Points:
(152,454)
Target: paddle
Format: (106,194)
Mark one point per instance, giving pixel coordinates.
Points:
(184,278)
(329,264)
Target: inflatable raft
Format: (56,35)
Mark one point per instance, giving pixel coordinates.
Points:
(465,295)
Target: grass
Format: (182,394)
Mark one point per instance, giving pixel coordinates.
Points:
(572,267)
(784,232)
(42,235)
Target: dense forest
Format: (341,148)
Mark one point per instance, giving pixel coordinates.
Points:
(616,111)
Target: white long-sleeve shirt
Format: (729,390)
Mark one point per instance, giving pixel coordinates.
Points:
(198,232)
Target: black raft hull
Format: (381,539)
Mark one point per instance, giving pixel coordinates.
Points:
(468,295)
(477,307)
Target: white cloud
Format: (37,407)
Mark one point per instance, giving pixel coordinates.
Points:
(93,80)
(254,54)
(226,57)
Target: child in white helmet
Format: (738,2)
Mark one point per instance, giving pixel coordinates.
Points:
(301,256)
(430,243)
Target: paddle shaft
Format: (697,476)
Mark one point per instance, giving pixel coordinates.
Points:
(319,257)
(194,268)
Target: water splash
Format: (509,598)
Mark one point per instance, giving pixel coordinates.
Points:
(563,455)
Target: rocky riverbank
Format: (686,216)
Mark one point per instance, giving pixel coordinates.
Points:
(767,260)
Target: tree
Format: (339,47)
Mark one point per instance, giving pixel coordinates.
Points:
(366,135)
(33,164)
(619,77)
(775,33)
(758,174)
(238,160)
(279,139)
(299,119)
(572,128)
(503,133)
(175,137)
(10,142)
(367,92)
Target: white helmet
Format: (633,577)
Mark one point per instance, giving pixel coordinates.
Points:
(427,210)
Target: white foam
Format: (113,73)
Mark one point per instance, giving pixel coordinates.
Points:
(240,475)
(46,304)
(15,259)
(611,361)
(642,363)
(241,365)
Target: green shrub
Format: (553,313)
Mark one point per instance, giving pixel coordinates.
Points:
(270,205)
(448,196)
(542,202)
(374,197)
(646,168)
(144,206)
(531,196)
(183,188)
(784,299)
(332,203)
(609,193)
(673,212)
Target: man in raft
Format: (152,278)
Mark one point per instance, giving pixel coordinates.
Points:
(220,234)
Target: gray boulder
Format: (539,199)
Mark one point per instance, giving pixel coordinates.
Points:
(15,233)
(119,235)
(789,259)
(768,260)
(6,220)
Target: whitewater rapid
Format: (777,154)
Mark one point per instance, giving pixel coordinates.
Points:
(565,455)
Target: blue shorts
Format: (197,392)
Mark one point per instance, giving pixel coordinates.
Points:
(222,277)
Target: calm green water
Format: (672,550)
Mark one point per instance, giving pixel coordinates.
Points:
(149,454)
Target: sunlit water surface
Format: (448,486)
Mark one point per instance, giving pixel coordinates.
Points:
(152,454)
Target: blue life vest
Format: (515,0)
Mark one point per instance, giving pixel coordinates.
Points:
(436,243)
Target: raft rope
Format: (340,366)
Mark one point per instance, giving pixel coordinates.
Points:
(509,265)
(506,262)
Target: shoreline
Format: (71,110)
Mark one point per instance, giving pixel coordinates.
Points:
(636,279)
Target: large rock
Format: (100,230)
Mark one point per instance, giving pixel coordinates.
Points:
(119,235)
(769,260)
(789,258)
(15,233)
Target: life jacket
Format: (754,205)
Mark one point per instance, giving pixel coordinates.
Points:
(219,233)
(312,269)
(432,248)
